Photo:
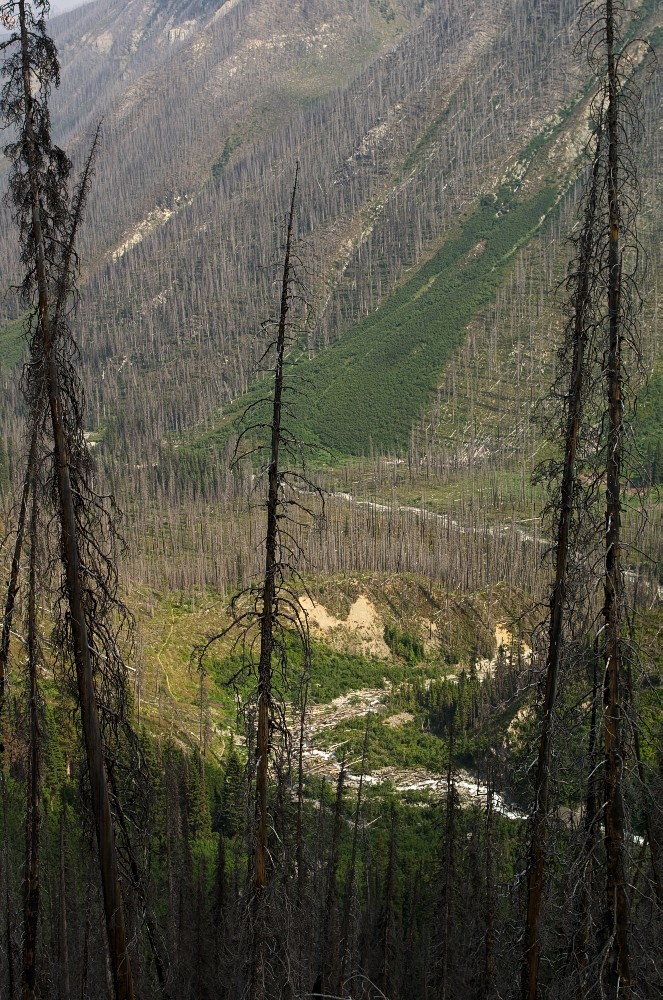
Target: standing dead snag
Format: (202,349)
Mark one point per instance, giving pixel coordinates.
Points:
(267,625)
(617,974)
(279,607)
(47,224)
(448,888)
(274,614)
(489,915)
(619,252)
(272,562)
(33,812)
(582,935)
(346,944)
(583,282)
(12,586)
(602,328)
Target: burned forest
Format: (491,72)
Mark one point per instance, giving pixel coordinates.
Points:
(330,521)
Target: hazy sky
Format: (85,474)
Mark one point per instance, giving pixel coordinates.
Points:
(59,6)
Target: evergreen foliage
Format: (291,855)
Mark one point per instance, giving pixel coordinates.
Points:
(404,644)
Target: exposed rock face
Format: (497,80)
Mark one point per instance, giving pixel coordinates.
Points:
(181,32)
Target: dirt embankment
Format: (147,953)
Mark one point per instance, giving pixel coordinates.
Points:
(361,632)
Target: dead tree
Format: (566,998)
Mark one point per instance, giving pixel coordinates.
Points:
(604,306)
(566,504)
(617,972)
(488,990)
(618,110)
(12,586)
(33,811)
(346,942)
(266,615)
(448,877)
(47,222)
(582,937)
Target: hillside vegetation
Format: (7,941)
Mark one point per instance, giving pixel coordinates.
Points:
(422,115)
(361,695)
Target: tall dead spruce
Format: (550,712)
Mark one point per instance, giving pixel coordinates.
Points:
(602,327)
(268,616)
(89,617)
(582,281)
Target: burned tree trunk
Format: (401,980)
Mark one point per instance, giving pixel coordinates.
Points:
(604,301)
(267,626)
(47,224)
(582,300)
(12,586)
(617,975)
(33,811)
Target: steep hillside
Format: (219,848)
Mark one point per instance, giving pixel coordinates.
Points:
(438,146)
(401,118)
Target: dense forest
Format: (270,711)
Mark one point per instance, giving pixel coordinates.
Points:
(329,460)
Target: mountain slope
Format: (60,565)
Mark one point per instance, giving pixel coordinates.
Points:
(401,116)
(414,124)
